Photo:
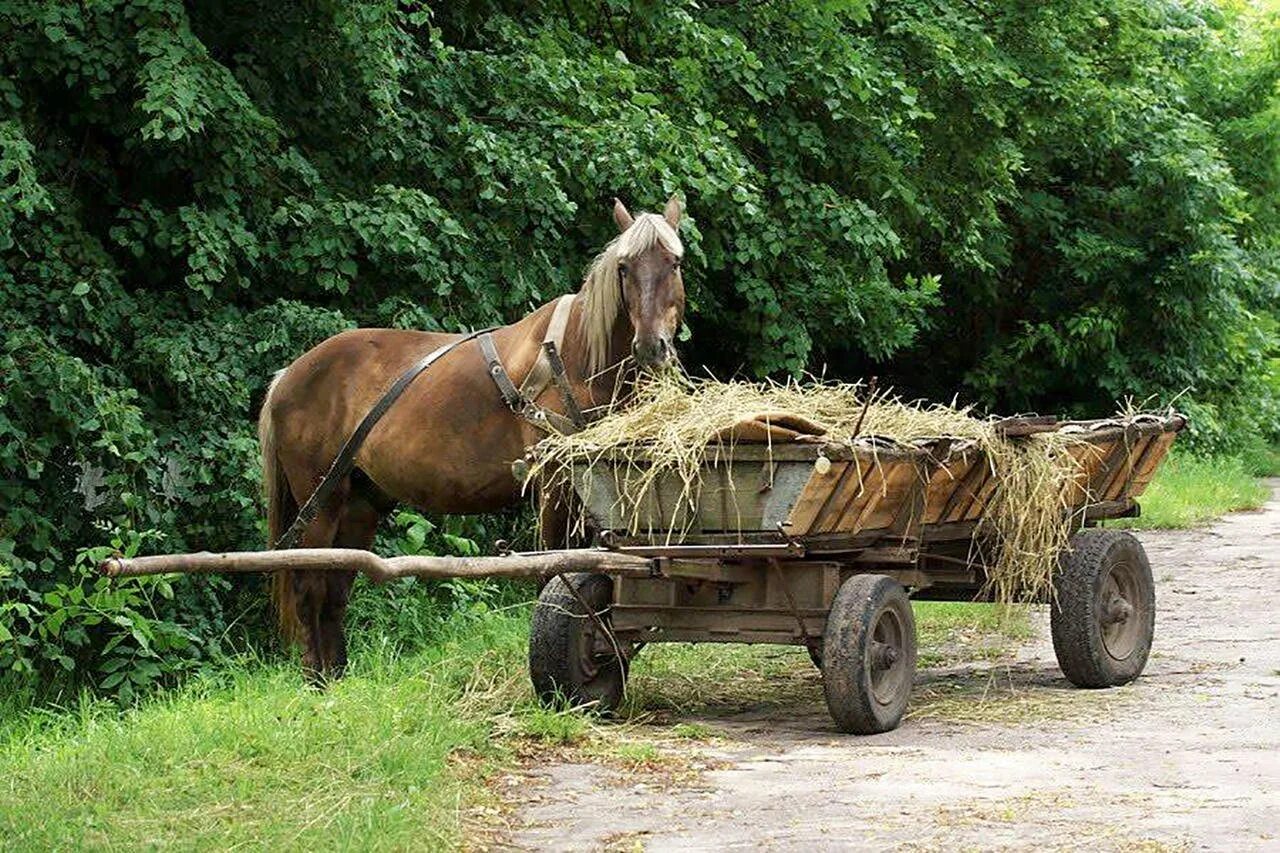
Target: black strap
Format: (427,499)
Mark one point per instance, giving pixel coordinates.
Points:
(346,458)
(493,363)
(571,407)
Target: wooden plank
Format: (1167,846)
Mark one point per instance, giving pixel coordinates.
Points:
(1120,485)
(814,497)
(782,637)
(1146,470)
(704,623)
(1113,460)
(979,503)
(856,509)
(953,490)
(864,477)
(962,496)
(1017,427)
(943,483)
(1086,458)
(895,499)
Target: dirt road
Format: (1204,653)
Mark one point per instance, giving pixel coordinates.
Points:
(992,756)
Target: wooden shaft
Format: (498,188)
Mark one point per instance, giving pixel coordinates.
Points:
(380,569)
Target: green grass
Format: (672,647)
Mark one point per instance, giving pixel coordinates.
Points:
(1189,490)
(950,633)
(255,759)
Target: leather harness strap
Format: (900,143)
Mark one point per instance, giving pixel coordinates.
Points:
(547,369)
(493,366)
(346,458)
(543,371)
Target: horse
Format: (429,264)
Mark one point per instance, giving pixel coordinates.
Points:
(448,442)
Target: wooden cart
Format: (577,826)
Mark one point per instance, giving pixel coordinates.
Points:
(814,544)
(821,545)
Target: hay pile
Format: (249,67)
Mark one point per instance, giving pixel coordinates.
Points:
(674,424)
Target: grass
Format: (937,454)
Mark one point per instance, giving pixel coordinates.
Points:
(254,759)
(1189,490)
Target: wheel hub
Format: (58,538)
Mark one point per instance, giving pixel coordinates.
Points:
(1117,615)
(1116,610)
(886,657)
(883,656)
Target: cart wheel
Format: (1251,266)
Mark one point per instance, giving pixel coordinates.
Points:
(869,655)
(1104,613)
(571,661)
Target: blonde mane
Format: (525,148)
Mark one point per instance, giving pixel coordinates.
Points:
(602,290)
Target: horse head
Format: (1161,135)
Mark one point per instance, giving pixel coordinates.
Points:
(637,279)
(648,260)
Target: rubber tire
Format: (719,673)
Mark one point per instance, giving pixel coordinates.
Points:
(556,665)
(846,678)
(1074,618)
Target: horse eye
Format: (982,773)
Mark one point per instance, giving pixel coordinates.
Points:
(622,269)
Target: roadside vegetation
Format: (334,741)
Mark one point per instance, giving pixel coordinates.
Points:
(394,756)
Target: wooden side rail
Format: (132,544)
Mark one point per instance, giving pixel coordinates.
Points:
(382,569)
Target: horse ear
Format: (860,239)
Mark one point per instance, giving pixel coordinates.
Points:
(621,215)
(671,212)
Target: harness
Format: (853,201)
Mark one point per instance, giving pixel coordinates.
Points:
(548,369)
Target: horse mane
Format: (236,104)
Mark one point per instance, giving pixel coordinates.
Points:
(601,290)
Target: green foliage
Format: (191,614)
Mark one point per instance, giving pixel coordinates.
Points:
(1036,206)
(407,615)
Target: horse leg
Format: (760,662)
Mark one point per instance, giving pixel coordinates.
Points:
(557,512)
(358,527)
(310,592)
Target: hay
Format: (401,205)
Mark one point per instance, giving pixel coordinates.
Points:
(672,426)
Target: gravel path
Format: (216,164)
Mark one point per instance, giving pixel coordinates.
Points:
(1187,757)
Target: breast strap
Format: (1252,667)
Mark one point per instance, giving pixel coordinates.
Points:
(547,369)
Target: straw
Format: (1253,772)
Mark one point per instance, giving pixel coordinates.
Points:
(672,424)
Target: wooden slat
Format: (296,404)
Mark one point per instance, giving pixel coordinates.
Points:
(980,497)
(1146,470)
(946,478)
(962,496)
(862,497)
(1113,458)
(1076,489)
(1123,480)
(894,499)
(815,495)
(851,485)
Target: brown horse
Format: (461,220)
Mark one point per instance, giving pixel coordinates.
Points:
(447,444)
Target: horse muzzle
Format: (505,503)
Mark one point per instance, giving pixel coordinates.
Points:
(654,354)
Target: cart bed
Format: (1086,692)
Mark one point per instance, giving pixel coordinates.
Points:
(857,492)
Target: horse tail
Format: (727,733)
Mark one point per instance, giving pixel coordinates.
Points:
(282,508)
